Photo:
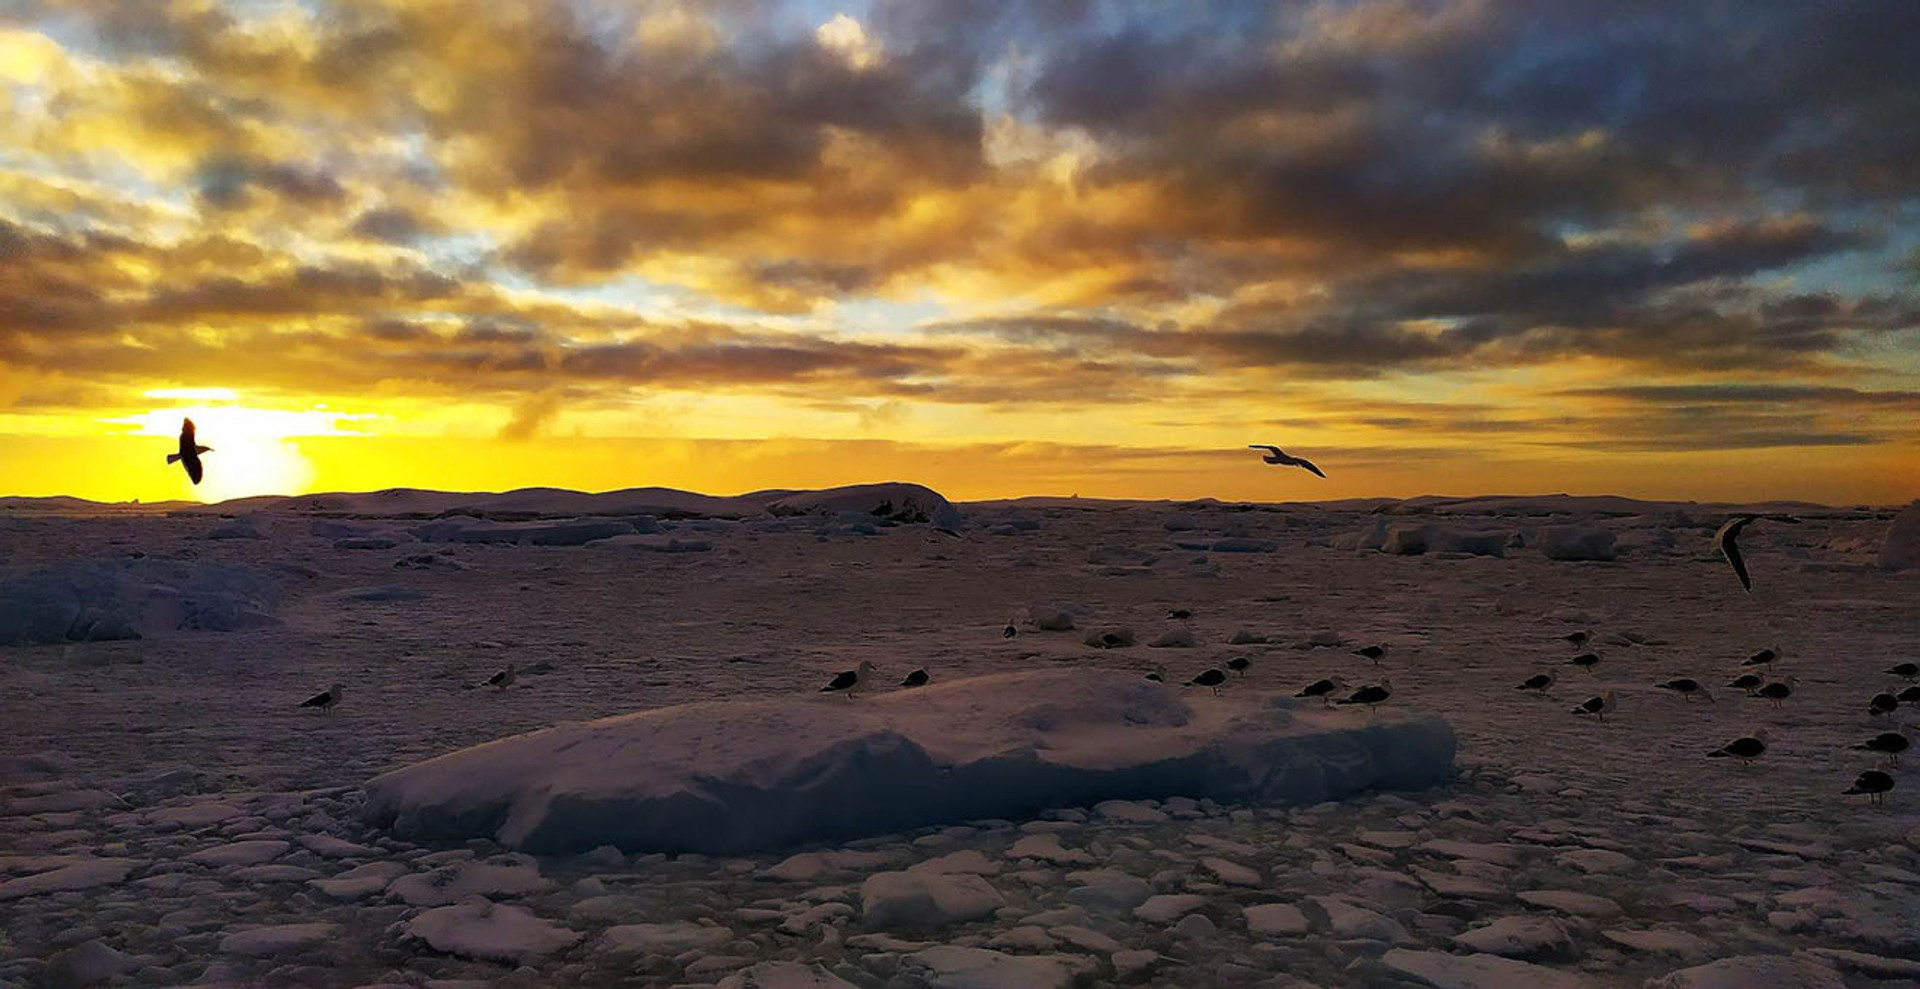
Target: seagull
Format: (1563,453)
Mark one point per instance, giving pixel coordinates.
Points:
(1911,695)
(1686,687)
(1727,542)
(1880,704)
(189,455)
(1873,783)
(1156,675)
(1009,632)
(1890,744)
(1746,748)
(849,679)
(1375,653)
(943,530)
(1209,678)
(1764,657)
(1539,683)
(1279,458)
(325,700)
(502,679)
(1323,689)
(1239,664)
(1910,671)
(1778,690)
(1586,661)
(918,678)
(1748,682)
(1372,695)
(1597,706)
(1180,614)
(1578,638)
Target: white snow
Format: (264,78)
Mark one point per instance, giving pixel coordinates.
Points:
(1480,972)
(922,900)
(1900,549)
(784,975)
(1754,972)
(277,939)
(457,881)
(953,967)
(749,774)
(898,501)
(79,876)
(489,932)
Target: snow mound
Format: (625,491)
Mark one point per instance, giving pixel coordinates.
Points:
(568,532)
(487,931)
(746,775)
(1902,547)
(894,500)
(1750,971)
(908,900)
(1576,542)
(1413,540)
(237,529)
(108,599)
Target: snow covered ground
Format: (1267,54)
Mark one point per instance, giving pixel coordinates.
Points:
(168,816)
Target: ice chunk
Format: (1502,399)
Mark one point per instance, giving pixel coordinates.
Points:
(752,774)
(264,941)
(1749,971)
(489,932)
(1479,971)
(919,900)
(952,967)
(1901,550)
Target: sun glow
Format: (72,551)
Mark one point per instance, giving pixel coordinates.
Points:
(254,451)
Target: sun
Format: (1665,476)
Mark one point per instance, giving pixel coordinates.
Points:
(252,449)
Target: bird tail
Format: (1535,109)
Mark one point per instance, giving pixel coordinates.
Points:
(173,458)
(1717,754)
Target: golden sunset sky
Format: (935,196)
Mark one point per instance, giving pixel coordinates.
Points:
(1462,246)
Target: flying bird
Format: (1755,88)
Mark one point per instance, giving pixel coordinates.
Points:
(1599,706)
(1778,690)
(189,455)
(918,678)
(1748,682)
(1209,678)
(1727,541)
(1375,653)
(1323,689)
(1372,695)
(1686,687)
(1889,744)
(1586,661)
(1538,683)
(1880,704)
(1873,783)
(1746,748)
(1910,671)
(847,680)
(1279,458)
(1239,664)
(326,700)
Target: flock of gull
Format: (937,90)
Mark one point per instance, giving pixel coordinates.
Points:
(1873,783)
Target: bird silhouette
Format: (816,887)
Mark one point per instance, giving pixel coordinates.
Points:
(189,455)
(1280,458)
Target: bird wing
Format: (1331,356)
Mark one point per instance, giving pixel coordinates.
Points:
(194,470)
(317,699)
(1308,464)
(844,680)
(1264,446)
(1731,550)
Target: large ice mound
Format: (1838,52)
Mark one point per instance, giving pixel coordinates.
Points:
(738,776)
(104,599)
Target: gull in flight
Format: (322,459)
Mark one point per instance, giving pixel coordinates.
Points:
(1280,458)
(1727,541)
(189,455)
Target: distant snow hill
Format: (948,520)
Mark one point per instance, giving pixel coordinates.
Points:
(735,776)
(896,500)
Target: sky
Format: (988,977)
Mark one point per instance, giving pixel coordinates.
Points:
(1459,246)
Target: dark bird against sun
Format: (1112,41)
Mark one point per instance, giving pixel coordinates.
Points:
(189,454)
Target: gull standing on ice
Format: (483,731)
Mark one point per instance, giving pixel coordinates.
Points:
(189,455)
(501,680)
(1538,683)
(1586,661)
(1748,682)
(1873,783)
(1778,690)
(1745,748)
(1372,695)
(1880,704)
(1279,458)
(1686,687)
(847,680)
(1599,706)
(1209,678)
(918,678)
(1889,744)
(1911,695)
(326,700)
(1375,653)
(1239,664)
(1578,638)
(1323,689)
(1910,671)
(1156,675)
